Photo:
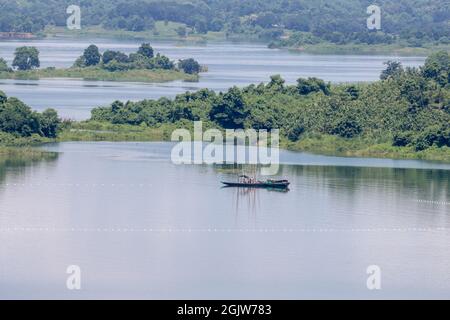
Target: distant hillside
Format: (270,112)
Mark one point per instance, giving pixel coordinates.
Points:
(414,22)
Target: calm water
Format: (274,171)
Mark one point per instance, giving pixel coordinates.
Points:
(141,227)
(229,64)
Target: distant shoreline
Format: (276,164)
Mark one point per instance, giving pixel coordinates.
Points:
(320,48)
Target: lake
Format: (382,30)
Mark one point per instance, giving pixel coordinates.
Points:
(139,226)
(229,64)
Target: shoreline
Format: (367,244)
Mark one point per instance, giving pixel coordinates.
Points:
(323,48)
(97,74)
(309,145)
(327,145)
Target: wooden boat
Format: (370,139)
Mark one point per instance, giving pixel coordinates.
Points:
(250,183)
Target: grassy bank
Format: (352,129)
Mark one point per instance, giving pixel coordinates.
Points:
(364,147)
(161,32)
(318,144)
(103,131)
(92,131)
(15,147)
(24,153)
(367,49)
(98,74)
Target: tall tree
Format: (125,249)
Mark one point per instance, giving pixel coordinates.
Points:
(146,50)
(231,111)
(92,56)
(26,58)
(190,66)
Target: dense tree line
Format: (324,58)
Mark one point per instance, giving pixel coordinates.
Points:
(27,58)
(413,21)
(408,107)
(144,58)
(18,119)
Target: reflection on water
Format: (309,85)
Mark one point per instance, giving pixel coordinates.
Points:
(142,227)
(17,164)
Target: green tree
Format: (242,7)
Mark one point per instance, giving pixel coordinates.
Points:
(50,123)
(190,66)
(437,67)
(92,56)
(347,127)
(3,97)
(17,118)
(393,69)
(310,85)
(276,83)
(231,111)
(110,55)
(4,66)
(146,50)
(162,62)
(26,58)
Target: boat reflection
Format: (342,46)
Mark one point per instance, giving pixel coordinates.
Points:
(247,201)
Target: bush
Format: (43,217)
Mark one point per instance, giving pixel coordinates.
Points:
(433,135)
(310,85)
(114,65)
(18,119)
(4,66)
(347,128)
(190,66)
(402,139)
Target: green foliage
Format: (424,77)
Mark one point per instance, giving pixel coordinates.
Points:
(50,123)
(310,85)
(18,119)
(116,61)
(3,97)
(161,62)
(437,67)
(146,50)
(26,58)
(92,56)
(406,22)
(347,127)
(393,69)
(407,111)
(4,66)
(433,135)
(118,56)
(230,110)
(403,139)
(189,66)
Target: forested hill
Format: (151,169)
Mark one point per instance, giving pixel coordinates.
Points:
(339,21)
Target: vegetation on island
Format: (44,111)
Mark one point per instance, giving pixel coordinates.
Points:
(286,23)
(142,66)
(406,114)
(21,129)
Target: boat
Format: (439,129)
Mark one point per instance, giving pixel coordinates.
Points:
(246,182)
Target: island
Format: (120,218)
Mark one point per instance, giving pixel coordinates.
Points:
(406,114)
(141,66)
